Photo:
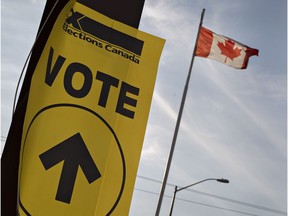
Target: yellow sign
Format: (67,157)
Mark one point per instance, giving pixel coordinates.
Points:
(86,116)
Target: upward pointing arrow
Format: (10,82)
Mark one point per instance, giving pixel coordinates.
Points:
(74,153)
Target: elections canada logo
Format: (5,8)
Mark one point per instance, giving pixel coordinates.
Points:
(104,37)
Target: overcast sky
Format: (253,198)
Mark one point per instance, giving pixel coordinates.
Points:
(234,123)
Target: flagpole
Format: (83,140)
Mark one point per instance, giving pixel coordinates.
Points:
(178,121)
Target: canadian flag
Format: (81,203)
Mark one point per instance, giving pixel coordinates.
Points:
(223,49)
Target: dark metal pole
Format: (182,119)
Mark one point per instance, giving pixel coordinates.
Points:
(173,200)
(178,122)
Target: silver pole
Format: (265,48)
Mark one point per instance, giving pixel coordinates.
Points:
(178,122)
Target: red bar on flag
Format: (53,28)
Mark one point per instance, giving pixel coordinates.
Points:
(223,49)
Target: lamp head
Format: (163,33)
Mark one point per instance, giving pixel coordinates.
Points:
(223,180)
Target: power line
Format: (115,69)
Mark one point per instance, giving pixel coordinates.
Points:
(3,138)
(199,203)
(222,198)
(240,202)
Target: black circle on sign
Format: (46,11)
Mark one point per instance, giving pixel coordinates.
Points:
(107,125)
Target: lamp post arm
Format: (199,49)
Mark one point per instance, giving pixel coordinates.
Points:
(195,184)
(177,190)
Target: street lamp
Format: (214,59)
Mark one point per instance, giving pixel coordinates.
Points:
(177,190)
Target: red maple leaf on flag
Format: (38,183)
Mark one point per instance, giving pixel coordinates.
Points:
(227,49)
